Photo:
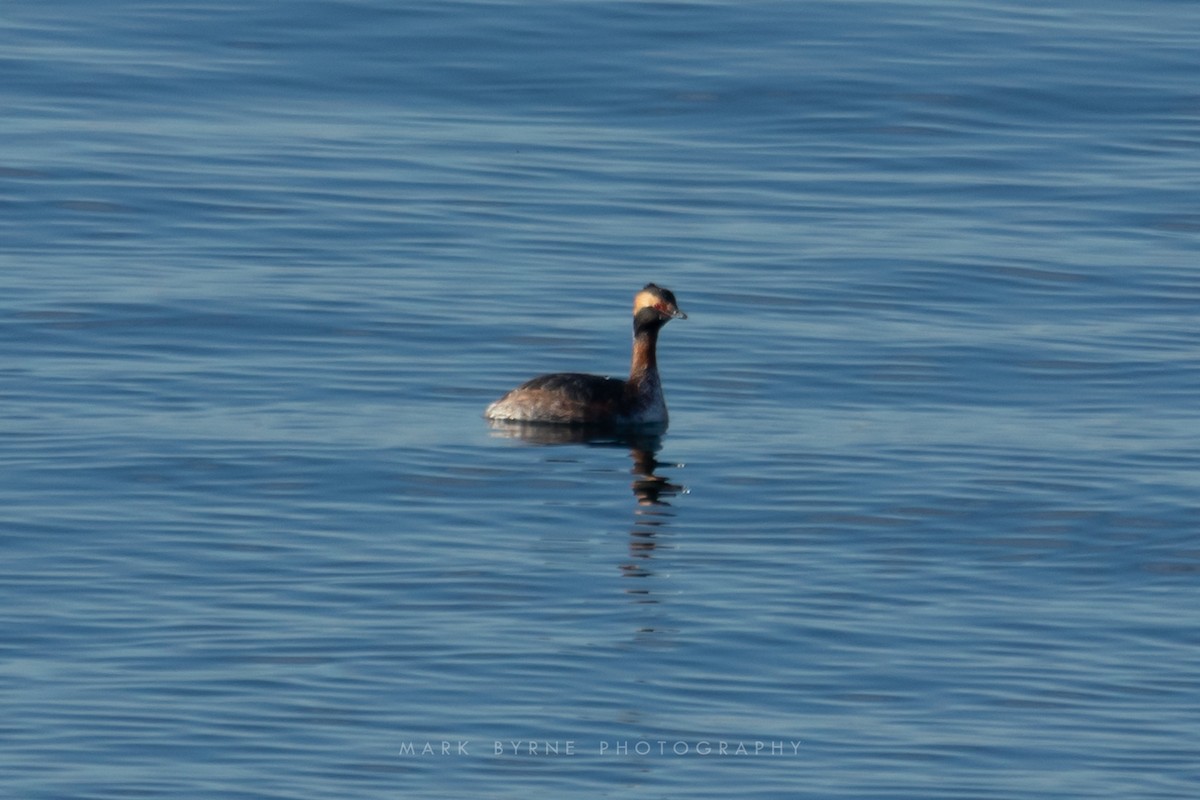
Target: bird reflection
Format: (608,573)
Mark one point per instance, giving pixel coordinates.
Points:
(650,490)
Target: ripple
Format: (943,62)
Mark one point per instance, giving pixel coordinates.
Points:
(927,498)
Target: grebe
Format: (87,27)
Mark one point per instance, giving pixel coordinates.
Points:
(579,399)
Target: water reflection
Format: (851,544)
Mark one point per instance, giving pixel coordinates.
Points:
(650,490)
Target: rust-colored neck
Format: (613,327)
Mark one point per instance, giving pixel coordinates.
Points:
(645,358)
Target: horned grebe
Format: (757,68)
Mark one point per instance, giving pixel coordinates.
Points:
(579,399)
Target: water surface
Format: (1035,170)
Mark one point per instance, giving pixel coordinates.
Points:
(925,516)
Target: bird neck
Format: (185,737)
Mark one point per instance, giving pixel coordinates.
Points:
(645,358)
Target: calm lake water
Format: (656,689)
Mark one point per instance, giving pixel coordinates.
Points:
(925,523)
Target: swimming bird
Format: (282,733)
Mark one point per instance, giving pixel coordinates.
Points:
(576,398)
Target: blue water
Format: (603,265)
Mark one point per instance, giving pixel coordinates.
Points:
(924,525)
